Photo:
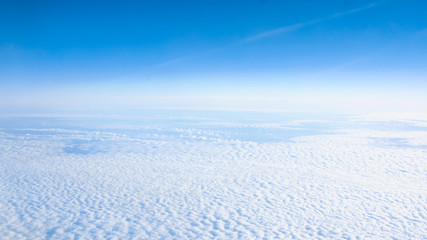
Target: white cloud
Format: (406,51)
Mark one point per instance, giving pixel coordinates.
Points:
(186,179)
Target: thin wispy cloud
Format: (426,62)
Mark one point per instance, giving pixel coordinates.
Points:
(297,26)
(355,10)
(266,34)
(280,30)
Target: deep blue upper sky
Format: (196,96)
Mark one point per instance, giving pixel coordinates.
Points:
(213,48)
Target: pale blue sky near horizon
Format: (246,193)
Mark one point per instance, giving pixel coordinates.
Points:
(235,55)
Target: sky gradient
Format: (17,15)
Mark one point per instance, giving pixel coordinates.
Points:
(349,56)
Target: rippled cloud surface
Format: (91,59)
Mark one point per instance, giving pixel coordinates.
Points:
(193,177)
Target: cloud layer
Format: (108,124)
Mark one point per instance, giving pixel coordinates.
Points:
(200,178)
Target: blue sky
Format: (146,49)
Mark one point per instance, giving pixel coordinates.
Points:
(237,55)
